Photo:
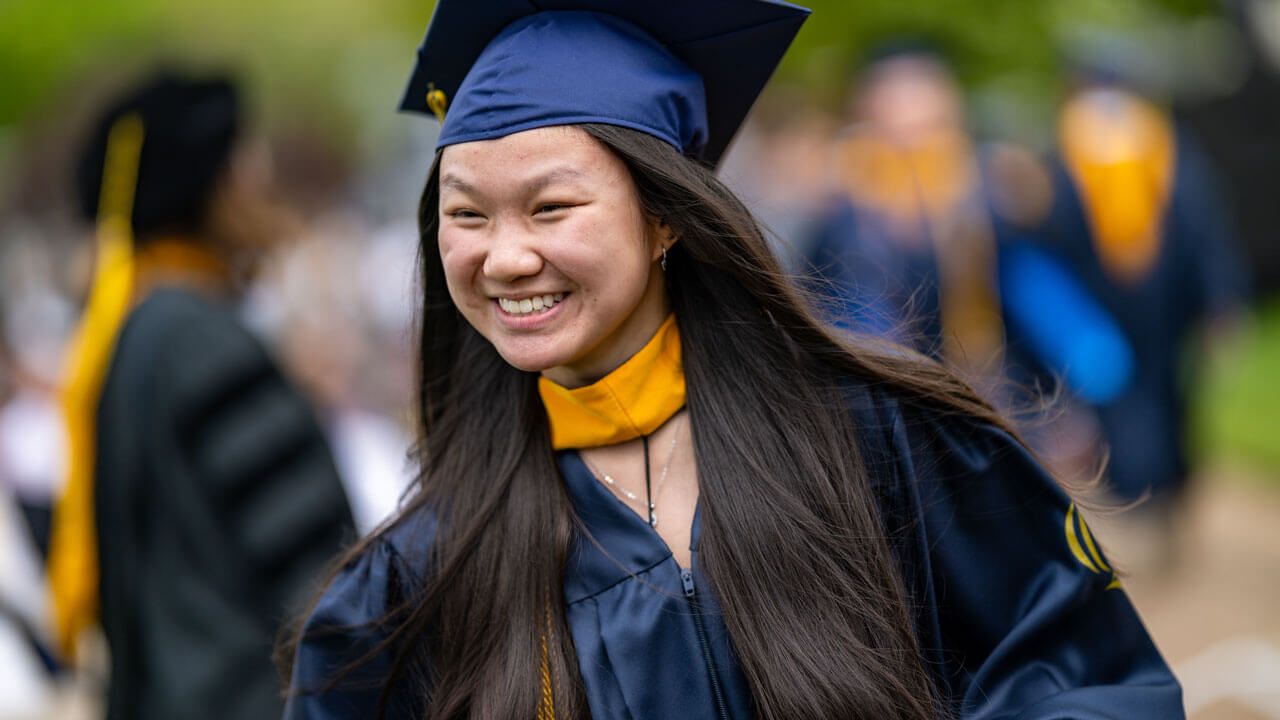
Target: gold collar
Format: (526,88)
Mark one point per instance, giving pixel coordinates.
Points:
(179,261)
(633,400)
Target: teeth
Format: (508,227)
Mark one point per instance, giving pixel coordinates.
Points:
(530,305)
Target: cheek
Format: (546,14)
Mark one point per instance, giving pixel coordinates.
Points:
(461,262)
(610,256)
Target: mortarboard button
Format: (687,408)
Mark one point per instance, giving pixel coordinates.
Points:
(437,101)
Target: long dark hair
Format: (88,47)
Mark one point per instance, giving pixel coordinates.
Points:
(792,540)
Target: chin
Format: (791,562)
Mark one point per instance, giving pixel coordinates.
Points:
(531,361)
(520,363)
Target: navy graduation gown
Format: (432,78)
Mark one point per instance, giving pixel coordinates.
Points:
(1016,619)
(1196,275)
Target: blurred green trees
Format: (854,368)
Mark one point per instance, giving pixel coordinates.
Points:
(337,67)
(323,58)
(1235,410)
(297,55)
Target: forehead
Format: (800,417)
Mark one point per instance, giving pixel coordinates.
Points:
(910,73)
(564,150)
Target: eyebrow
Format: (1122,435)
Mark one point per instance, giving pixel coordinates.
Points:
(560,174)
(453,182)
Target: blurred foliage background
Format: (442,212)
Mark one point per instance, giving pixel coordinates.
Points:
(342,62)
(332,71)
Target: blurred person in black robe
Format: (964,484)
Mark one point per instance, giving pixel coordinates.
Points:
(203,505)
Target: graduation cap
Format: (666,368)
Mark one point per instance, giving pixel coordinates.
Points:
(191,125)
(686,73)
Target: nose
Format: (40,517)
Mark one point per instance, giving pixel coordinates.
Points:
(511,256)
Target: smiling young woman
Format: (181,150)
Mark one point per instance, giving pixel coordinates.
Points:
(551,211)
(652,484)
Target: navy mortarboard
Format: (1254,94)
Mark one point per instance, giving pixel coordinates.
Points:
(684,73)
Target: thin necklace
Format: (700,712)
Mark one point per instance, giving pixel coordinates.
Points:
(662,479)
(650,497)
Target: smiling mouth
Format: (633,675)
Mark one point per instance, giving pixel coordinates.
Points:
(532,305)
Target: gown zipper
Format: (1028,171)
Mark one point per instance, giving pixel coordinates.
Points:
(691,594)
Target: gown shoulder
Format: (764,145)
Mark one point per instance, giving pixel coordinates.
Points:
(346,627)
(1019,613)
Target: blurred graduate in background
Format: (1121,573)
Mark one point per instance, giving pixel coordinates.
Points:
(933,246)
(202,503)
(912,250)
(1138,215)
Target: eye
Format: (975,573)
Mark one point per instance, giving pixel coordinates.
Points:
(463,214)
(551,207)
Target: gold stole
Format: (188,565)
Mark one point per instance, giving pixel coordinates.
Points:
(73,544)
(1120,152)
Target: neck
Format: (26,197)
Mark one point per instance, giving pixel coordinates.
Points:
(183,262)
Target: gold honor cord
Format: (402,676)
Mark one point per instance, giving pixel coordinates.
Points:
(546,708)
(73,556)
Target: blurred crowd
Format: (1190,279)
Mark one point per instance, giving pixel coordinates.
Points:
(1068,284)
(1075,283)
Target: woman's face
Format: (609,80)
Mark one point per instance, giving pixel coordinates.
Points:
(547,253)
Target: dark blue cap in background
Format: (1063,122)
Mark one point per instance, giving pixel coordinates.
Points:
(190,125)
(685,72)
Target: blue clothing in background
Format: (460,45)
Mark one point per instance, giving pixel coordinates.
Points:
(1060,323)
(1054,328)
(870,284)
(1018,616)
(924,269)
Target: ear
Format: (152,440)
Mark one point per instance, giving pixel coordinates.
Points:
(661,237)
